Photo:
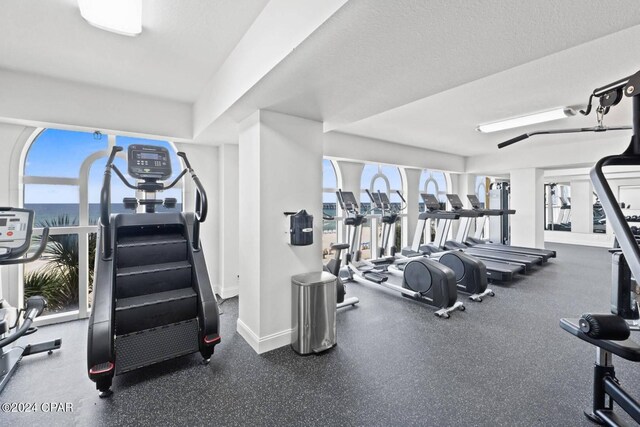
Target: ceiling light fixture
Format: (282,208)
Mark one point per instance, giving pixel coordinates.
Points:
(544,116)
(118,16)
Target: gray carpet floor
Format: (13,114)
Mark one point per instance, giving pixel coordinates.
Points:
(504,361)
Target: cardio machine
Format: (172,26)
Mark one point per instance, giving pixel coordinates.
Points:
(527,261)
(423,280)
(463,233)
(16,226)
(153,299)
(496,271)
(471,273)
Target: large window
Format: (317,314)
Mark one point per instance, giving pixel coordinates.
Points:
(436,183)
(388,180)
(62,178)
(481,190)
(329,208)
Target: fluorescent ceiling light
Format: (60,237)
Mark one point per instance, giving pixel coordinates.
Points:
(118,16)
(544,116)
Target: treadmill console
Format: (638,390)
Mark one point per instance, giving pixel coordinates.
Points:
(430,201)
(15,231)
(455,201)
(475,202)
(149,162)
(348,199)
(381,200)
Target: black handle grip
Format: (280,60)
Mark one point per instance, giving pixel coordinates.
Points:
(513,140)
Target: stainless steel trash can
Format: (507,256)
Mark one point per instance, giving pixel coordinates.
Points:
(313,312)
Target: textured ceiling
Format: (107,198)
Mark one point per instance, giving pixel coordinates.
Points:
(423,73)
(447,120)
(372,57)
(182,44)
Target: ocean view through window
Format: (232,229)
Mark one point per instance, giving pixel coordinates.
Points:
(62,178)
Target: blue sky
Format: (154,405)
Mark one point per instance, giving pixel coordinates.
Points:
(60,153)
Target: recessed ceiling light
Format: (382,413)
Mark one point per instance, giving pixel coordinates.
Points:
(118,16)
(544,116)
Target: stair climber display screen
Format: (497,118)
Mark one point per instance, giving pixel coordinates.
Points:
(146,161)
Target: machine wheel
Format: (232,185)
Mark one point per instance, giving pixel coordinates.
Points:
(463,308)
(50,352)
(493,294)
(104,387)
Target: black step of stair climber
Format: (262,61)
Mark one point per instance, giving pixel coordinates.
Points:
(156,305)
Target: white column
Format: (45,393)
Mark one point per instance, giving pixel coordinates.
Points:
(527,198)
(412,195)
(581,206)
(229,207)
(280,160)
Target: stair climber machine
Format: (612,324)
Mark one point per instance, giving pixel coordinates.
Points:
(16,226)
(471,273)
(526,261)
(496,270)
(152,298)
(465,224)
(423,280)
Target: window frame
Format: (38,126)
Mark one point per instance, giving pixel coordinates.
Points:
(82,230)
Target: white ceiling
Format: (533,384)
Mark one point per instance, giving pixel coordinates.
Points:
(422,73)
(181,46)
(426,73)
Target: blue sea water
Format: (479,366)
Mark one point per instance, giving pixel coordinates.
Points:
(50,211)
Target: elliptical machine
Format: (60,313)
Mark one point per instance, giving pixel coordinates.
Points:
(423,280)
(470,272)
(16,226)
(153,300)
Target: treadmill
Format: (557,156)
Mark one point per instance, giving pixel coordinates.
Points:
(527,261)
(486,244)
(496,271)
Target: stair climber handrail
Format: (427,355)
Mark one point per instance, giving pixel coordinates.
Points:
(105,205)
(202,205)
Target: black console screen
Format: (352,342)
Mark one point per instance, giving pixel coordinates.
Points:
(473,199)
(455,201)
(430,201)
(149,162)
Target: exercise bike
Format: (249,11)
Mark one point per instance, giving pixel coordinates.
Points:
(16,226)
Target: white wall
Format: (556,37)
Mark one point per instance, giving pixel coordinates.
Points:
(228,219)
(204,160)
(351,147)
(527,198)
(47,102)
(280,170)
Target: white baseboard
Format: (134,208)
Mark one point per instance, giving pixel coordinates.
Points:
(266,343)
(586,239)
(228,291)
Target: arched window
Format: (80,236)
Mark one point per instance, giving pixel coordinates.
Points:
(62,177)
(329,208)
(481,190)
(434,182)
(388,180)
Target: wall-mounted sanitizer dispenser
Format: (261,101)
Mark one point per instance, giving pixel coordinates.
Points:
(300,228)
